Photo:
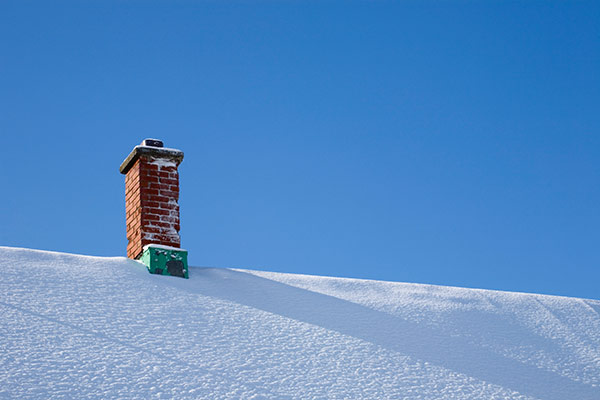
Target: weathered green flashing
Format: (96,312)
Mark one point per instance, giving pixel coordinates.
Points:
(163,260)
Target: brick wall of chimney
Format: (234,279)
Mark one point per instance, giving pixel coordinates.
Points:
(152,209)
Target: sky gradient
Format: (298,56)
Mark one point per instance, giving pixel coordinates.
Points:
(445,142)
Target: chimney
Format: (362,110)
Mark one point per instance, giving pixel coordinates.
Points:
(151,196)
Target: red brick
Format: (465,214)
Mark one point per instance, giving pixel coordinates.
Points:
(150,217)
(151,204)
(159,211)
(169,194)
(149,179)
(151,194)
(169,181)
(153,229)
(160,199)
(161,225)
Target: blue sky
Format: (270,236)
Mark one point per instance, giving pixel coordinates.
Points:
(443,142)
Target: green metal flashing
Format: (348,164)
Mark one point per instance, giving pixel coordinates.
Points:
(164,260)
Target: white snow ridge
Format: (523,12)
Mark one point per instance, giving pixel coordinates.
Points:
(78,327)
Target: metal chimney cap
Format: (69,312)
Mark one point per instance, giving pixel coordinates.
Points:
(152,143)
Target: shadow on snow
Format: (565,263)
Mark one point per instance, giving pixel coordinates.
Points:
(417,340)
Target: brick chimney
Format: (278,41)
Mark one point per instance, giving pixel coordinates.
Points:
(151,196)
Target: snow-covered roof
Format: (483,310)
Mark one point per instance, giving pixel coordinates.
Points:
(92,327)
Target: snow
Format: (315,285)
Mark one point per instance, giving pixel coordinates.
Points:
(162,246)
(159,148)
(94,327)
(161,162)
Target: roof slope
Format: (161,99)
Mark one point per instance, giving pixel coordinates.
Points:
(93,327)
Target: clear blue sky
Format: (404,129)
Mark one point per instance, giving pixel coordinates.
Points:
(443,142)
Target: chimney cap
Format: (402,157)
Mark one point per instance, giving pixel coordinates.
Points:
(147,148)
(152,142)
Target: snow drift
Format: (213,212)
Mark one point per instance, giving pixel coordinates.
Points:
(94,327)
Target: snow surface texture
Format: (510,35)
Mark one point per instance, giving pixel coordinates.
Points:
(93,327)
